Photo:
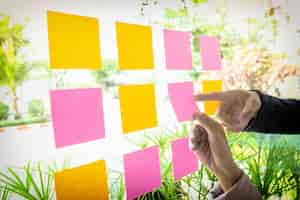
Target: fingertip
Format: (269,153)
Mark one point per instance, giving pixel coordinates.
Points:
(197,115)
(196,97)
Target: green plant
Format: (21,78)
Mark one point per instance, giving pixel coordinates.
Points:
(155,195)
(32,182)
(169,188)
(4,193)
(13,71)
(105,76)
(36,108)
(117,186)
(292,162)
(3,111)
(29,182)
(268,169)
(32,120)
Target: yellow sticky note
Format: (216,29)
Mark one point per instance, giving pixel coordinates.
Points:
(134,46)
(88,182)
(138,107)
(73,41)
(208,86)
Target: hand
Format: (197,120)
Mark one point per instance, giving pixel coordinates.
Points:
(209,143)
(237,107)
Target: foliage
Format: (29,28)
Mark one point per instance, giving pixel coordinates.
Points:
(4,109)
(117,186)
(268,170)
(13,71)
(199,1)
(36,184)
(4,193)
(32,120)
(105,76)
(36,108)
(272,162)
(32,182)
(292,162)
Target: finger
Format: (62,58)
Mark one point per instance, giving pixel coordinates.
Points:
(207,123)
(213,96)
(217,142)
(216,136)
(198,138)
(198,143)
(196,133)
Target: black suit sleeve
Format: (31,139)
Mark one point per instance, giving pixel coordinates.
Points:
(277,116)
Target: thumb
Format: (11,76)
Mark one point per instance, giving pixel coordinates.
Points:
(247,112)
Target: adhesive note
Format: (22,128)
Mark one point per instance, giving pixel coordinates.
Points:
(210,107)
(88,182)
(77,116)
(184,160)
(135,50)
(210,53)
(181,98)
(138,107)
(178,50)
(73,41)
(142,172)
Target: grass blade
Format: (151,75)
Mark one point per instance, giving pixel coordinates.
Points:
(34,185)
(17,178)
(40,173)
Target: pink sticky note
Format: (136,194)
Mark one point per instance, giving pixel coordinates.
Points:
(142,172)
(77,116)
(178,50)
(210,53)
(184,160)
(181,97)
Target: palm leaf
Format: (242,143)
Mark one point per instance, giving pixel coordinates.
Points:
(33,183)
(4,195)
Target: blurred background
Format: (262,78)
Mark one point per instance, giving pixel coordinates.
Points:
(260,46)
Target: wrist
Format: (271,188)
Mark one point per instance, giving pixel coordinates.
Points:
(257,99)
(228,180)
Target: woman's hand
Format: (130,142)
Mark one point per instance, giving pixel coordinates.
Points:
(208,141)
(237,107)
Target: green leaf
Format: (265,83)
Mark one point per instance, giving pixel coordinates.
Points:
(40,173)
(17,178)
(20,193)
(35,187)
(170,13)
(48,186)
(6,178)
(182,12)
(199,1)
(4,193)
